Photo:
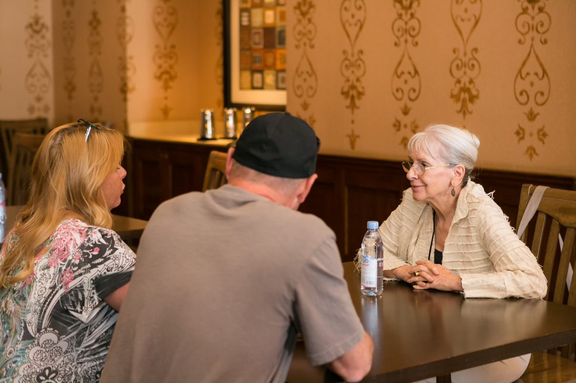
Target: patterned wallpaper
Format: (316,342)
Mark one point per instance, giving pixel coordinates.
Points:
(68,28)
(304,78)
(532,85)
(95,74)
(406,83)
(38,80)
(368,74)
(26,73)
(165,20)
(219,65)
(126,65)
(465,66)
(352,64)
(109,61)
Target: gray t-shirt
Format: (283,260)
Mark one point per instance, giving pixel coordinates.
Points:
(224,280)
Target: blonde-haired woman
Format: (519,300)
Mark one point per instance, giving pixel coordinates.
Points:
(448,234)
(63,271)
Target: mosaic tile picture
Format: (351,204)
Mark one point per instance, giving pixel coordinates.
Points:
(262,44)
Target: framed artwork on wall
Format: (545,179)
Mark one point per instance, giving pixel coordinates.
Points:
(255,53)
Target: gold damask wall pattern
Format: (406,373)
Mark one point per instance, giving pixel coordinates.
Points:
(0,78)
(465,67)
(532,85)
(305,80)
(219,69)
(353,66)
(406,82)
(95,75)
(38,80)
(165,19)
(126,66)
(69,59)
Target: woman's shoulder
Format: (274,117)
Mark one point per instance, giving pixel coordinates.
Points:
(409,209)
(78,238)
(409,201)
(77,225)
(80,232)
(408,196)
(478,200)
(475,193)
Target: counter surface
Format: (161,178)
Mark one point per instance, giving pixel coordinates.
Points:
(183,131)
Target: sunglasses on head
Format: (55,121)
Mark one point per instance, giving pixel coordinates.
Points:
(89,125)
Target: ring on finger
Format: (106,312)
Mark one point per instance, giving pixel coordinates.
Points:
(417,274)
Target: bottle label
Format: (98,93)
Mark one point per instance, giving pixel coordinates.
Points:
(369,272)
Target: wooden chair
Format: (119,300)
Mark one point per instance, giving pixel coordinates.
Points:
(215,175)
(8,128)
(556,215)
(24,148)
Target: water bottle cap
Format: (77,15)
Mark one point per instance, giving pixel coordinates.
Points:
(372,225)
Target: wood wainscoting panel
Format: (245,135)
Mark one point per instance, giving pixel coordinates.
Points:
(359,190)
(147,173)
(186,172)
(348,193)
(325,199)
(161,170)
(365,204)
(351,191)
(507,187)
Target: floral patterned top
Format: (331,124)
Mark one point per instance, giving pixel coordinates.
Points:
(55,326)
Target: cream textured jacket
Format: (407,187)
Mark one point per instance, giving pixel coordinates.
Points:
(481,247)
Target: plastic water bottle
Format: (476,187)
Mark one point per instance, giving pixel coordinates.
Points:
(2,210)
(372,270)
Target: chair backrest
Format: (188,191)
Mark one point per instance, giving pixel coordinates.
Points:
(8,128)
(215,175)
(24,148)
(556,215)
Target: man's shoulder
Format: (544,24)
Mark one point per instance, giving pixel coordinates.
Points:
(180,200)
(305,220)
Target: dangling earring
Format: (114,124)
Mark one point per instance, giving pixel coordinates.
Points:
(453,192)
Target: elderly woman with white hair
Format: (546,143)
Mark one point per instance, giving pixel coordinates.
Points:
(448,234)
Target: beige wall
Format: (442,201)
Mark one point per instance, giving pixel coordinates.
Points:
(173,54)
(115,70)
(87,53)
(26,72)
(115,61)
(493,37)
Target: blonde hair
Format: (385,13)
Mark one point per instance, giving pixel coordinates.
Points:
(67,174)
(447,143)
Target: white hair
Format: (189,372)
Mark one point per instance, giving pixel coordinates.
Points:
(452,145)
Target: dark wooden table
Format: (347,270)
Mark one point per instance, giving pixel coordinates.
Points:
(420,334)
(129,229)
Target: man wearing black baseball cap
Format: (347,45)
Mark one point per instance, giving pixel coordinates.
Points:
(277,145)
(226,279)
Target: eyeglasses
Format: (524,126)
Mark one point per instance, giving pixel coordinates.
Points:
(90,126)
(420,168)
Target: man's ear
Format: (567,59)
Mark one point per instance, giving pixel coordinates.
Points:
(229,162)
(307,187)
